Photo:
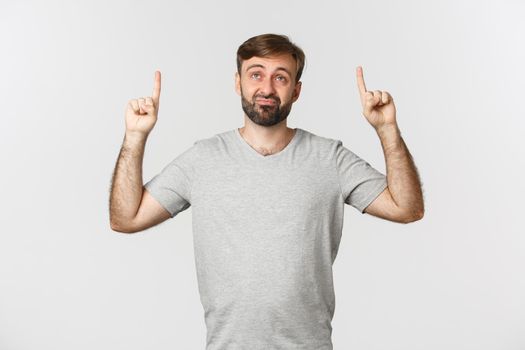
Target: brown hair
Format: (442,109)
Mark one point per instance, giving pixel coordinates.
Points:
(266,45)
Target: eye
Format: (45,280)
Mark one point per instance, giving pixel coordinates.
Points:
(255,75)
(281,78)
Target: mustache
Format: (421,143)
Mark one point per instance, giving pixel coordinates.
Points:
(269,97)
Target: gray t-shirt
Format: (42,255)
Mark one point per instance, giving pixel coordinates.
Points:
(266,231)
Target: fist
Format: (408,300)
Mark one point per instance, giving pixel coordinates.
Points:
(378,106)
(141,113)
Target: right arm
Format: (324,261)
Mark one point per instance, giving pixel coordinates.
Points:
(131,207)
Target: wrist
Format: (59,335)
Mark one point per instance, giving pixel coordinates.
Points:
(390,137)
(133,139)
(135,136)
(387,129)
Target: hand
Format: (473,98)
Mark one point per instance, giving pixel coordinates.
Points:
(141,113)
(378,106)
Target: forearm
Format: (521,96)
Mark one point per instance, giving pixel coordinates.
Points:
(126,184)
(402,176)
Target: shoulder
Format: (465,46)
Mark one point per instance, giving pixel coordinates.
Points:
(215,149)
(213,143)
(214,139)
(326,146)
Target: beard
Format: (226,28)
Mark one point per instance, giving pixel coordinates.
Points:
(266,115)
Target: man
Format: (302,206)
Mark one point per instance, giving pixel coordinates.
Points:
(267,202)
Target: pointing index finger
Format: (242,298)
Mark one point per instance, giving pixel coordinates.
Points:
(360,81)
(156,87)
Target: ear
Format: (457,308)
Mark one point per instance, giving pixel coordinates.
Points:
(238,83)
(296,91)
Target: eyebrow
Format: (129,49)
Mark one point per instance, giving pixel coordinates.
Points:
(255,65)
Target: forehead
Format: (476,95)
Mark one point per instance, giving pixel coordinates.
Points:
(271,63)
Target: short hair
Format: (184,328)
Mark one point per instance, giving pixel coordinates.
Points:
(266,45)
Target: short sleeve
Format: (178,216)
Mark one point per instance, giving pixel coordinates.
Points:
(172,186)
(360,182)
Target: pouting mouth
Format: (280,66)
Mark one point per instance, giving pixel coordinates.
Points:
(266,101)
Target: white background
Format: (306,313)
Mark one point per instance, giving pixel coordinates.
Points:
(453,280)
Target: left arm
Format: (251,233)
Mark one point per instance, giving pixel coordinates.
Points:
(402,200)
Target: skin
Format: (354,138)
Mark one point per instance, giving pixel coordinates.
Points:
(402,200)
(267,92)
(131,207)
(272,78)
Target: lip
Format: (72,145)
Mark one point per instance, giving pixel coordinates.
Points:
(267,102)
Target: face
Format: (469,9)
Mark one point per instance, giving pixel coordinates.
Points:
(267,88)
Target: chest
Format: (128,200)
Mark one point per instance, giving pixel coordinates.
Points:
(265,195)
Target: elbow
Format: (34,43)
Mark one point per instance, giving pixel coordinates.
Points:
(413,216)
(121,230)
(117,227)
(416,217)
(407,215)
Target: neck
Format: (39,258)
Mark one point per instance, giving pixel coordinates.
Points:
(266,139)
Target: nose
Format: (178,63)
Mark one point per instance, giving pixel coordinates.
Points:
(267,87)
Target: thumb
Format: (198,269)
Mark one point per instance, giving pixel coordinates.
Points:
(148,108)
(369,104)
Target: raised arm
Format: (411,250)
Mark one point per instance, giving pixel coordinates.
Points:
(402,200)
(131,208)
